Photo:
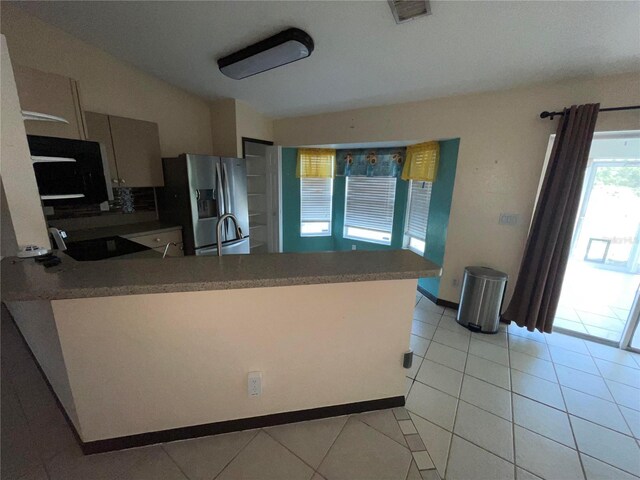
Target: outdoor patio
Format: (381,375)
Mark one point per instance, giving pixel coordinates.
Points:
(595,301)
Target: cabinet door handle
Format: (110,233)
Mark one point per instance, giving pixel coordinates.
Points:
(122,181)
(115,180)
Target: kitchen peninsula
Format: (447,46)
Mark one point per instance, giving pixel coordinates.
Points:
(139,351)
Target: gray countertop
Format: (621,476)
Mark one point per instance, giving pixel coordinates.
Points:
(127,230)
(26,280)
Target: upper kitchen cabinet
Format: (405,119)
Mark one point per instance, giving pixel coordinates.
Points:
(98,130)
(133,148)
(46,94)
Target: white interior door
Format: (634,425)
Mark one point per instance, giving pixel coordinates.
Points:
(263,191)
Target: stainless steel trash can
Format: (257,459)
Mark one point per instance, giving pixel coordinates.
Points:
(481,298)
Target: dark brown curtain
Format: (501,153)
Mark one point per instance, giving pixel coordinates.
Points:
(544,262)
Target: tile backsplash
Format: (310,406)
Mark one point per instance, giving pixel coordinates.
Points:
(126,200)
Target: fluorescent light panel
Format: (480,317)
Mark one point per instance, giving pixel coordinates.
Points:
(287,46)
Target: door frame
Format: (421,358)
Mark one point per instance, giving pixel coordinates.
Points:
(274,174)
(633,322)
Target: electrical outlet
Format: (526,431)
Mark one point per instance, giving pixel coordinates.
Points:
(254,384)
(455,282)
(353,247)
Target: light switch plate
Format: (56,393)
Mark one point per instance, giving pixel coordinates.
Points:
(509,219)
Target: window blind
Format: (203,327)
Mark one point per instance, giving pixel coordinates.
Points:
(418,212)
(315,203)
(369,204)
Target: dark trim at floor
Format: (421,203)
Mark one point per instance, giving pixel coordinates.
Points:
(215,428)
(438,301)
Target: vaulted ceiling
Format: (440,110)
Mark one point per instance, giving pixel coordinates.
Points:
(362,57)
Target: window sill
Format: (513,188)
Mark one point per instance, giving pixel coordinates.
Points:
(416,251)
(366,240)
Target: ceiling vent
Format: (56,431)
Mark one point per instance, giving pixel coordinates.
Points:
(405,10)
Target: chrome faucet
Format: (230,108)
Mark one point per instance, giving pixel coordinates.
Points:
(58,238)
(221,221)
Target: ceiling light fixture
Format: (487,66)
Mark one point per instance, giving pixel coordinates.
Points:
(287,46)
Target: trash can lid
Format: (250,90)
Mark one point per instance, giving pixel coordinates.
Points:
(486,272)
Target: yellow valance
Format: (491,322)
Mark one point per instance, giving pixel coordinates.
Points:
(316,163)
(421,162)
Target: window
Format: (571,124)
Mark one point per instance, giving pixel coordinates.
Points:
(368,211)
(315,206)
(417,215)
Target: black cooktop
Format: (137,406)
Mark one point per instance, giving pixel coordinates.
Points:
(102,248)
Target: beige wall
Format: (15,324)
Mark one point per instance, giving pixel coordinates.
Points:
(143,363)
(108,85)
(37,325)
(18,177)
(231,120)
(8,242)
(252,124)
(223,127)
(502,149)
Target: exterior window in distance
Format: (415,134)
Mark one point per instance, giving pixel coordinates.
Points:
(417,216)
(316,196)
(368,211)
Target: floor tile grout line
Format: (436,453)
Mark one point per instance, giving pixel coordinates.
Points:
(419,366)
(174,461)
(455,419)
(599,459)
(288,449)
(496,455)
(316,470)
(445,345)
(425,445)
(573,434)
(257,430)
(380,431)
(28,425)
(607,463)
(617,404)
(513,414)
(591,394)
(461,400)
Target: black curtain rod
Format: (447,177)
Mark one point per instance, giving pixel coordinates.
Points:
(550,115)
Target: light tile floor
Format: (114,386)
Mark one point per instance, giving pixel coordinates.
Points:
(512,405)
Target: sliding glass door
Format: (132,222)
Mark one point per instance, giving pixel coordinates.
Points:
(603,274)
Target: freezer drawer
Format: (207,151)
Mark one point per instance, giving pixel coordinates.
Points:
(232,247)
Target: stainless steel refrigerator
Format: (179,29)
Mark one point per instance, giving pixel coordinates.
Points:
(198,190)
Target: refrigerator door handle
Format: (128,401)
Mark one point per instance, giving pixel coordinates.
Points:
(227,199)
(226,188)
(220,196)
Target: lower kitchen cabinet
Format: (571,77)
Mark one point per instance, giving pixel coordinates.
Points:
(159,241)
